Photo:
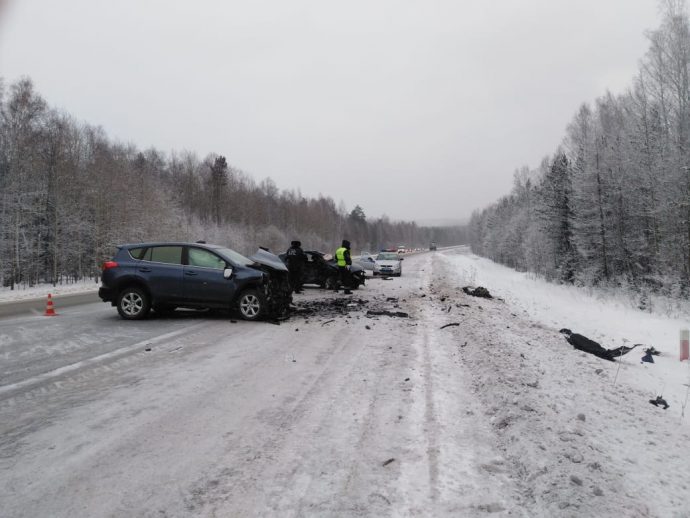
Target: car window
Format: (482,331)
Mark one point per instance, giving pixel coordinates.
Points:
(387,257)
(234,257)
(137,253)
(165,254)
(205,259)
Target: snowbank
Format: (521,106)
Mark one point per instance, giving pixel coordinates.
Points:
(586,313)
(85,286)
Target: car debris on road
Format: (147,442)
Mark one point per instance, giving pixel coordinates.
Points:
(582,343)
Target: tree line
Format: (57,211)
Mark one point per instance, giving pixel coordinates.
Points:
(69,194)
(612,205)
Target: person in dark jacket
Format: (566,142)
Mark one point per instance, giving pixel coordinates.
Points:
(295,262)
(342,257)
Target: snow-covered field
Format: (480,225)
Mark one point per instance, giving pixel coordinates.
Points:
(42,290)
(609,322)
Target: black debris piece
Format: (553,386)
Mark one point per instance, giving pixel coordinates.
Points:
(386,463)
(328,322)
(367,327)
(652,351)
(582,343)
(454,324)
(327,307)
(477,292)
(659,401)
(386,313)
(648,357)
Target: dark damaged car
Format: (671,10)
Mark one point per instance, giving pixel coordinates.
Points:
(324,273)
(167,276)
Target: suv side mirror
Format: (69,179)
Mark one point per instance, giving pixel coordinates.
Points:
(227,273)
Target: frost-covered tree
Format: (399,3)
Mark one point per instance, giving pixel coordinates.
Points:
(614,204)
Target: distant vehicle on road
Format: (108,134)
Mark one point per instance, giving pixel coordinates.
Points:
(389,264)
(432,247)
(166,276)
(323,272)
(402,249)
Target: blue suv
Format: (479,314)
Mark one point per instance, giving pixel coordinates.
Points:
(165,276)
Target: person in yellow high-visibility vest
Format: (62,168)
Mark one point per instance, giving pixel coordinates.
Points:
(342,256)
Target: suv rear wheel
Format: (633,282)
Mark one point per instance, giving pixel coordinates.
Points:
(133,303)
(251,305)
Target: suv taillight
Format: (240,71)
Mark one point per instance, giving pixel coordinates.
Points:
(109,264)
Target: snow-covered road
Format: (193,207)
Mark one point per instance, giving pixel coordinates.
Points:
(193,415)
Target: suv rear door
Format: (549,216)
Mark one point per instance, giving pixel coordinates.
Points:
(161,269)
(204,282)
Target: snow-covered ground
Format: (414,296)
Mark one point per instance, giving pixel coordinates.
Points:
(42,290)
(327,414)
(599,317)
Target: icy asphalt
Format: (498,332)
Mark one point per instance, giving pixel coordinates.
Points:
(193,415)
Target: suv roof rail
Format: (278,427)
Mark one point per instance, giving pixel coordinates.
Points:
(201,242)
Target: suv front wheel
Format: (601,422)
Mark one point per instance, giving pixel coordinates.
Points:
(133,303)
(251,305)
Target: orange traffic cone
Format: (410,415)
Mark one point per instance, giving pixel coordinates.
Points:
(50,310)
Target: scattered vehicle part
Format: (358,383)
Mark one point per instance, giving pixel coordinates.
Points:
(659,401)
(478,292)
(582,343)
(454,324)
(386,313)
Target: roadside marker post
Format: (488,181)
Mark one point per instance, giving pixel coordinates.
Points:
(684,344)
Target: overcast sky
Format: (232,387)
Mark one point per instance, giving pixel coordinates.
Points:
(418,109)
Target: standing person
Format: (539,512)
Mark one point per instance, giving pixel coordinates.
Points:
(342,256)
(295,263)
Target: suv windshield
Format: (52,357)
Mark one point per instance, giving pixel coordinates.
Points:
(234,257)
(387,256)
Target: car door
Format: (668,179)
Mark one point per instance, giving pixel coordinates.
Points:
(310,274)
(161,270)
(367,262)
(204,282)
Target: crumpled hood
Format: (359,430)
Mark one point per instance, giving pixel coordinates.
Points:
(269,259)
(355,268)
(388,263)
